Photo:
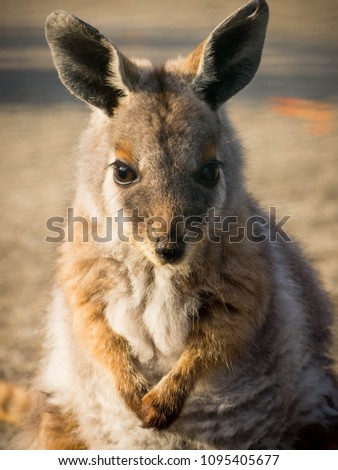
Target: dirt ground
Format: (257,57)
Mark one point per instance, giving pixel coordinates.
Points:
(287,119)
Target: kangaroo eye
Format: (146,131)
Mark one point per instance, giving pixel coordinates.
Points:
(209,174)
(124,174)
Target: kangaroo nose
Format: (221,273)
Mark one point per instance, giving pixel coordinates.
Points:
(170,251)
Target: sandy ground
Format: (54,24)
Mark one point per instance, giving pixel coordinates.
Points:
(287,119)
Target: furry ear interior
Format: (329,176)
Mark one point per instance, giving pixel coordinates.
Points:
(228,59)
(89,65)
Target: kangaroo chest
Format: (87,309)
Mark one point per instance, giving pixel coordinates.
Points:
(153,315)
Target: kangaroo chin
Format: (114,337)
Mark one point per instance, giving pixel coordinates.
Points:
(184,329)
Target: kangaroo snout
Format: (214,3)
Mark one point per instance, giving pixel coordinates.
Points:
(170,251)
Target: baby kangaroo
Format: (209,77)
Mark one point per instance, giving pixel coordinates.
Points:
(175,308)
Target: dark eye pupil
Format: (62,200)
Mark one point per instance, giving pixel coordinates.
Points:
(210,172)
(208,175)
(123,174)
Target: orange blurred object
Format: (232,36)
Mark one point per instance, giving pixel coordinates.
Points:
(320,114)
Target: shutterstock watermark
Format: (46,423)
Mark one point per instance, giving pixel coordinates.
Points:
(132,226)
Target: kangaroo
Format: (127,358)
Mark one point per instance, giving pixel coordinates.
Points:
(175,332)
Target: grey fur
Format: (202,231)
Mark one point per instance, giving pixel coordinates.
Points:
(282,392)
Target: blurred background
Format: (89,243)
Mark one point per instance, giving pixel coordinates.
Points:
(287,119)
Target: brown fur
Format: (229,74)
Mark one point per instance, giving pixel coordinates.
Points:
(224,302)
(15,401)
(192,63)
(124,152)
(209,151)
(214,339)
(46,427)
(86,278)
(58,431)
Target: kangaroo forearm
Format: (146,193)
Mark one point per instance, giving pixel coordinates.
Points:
(86,284)
(111,350)
(210,344)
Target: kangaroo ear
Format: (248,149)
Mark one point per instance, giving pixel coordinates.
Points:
(228,60)
(88,63)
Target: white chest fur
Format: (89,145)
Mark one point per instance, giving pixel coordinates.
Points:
(152,315)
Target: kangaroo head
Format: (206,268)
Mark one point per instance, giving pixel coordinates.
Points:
(159,146)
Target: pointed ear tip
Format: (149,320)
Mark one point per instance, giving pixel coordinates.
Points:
(57,17)
(260,3)
(261,12)
(262,6)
